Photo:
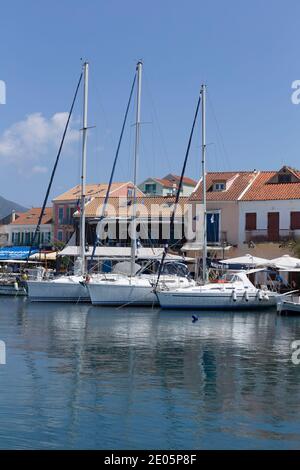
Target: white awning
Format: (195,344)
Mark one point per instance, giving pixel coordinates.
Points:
(285,262)
(120,253)
(198,246)
(249,260)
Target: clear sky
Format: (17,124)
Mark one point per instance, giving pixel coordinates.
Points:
(246,52)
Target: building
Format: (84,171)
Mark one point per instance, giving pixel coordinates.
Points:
(269,213)
(67,203)
(224,190)
(4,226)
(153,221)
(167,186)
(21,230)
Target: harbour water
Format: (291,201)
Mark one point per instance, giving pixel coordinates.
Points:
(82,377)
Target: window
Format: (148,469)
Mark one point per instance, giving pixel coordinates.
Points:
(150,188)
(250,221)
(60,235)
(15,238)
(60,214)
(295,220)
(220,186)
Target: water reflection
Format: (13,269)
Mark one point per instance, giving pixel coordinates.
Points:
(87,377)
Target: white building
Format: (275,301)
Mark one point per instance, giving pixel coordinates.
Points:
(269,213)
(21,230)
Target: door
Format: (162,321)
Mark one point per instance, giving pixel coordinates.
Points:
(213,227)
(273,226)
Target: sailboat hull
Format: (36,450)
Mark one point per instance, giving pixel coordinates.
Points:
(121,290)
(119,294)
(57,291)
(213,301)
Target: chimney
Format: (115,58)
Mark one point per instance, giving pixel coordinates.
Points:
(13,215)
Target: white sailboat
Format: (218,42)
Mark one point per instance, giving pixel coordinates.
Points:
(69,288)
(235,291)
(131,289)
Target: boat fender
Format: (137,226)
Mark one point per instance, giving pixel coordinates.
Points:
(234,296)
(260,295)
(246,296)
(16,285)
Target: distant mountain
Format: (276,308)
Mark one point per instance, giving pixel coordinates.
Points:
(6,207)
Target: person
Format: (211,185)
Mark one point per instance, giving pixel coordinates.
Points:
(294,284)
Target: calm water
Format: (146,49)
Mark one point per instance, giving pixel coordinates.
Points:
(88,377)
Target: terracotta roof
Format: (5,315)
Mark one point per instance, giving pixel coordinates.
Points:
(170,180)
(237,182)
(186,180)
(31,217)
(165,183)
(261,190)
(95,190)
(119,207)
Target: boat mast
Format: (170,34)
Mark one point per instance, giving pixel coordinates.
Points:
(204,250)
(136,155)
(83,167)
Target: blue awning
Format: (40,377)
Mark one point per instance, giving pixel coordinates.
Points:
(16,252)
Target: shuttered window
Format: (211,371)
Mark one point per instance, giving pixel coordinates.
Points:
(250,222)
(295,220)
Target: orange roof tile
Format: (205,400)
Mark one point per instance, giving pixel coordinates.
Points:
(31,217)
(96,190)
(262,190)
(170,180)
(237,183)
(186,180)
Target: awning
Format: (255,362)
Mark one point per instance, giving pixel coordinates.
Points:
(116,252)
(285,262)
(198,246)
(246,260)
(44,256)
(15,252)
(17,261)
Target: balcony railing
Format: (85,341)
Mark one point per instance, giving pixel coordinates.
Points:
(264,235)
(66,221)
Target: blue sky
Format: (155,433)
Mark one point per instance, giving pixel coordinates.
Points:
(246,52)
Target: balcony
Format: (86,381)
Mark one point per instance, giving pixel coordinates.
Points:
(66,221)
(266,236)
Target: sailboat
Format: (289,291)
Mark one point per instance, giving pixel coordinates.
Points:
(232,291)
(133,289)
(69,288)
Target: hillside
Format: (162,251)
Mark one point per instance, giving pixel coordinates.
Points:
(7,206)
